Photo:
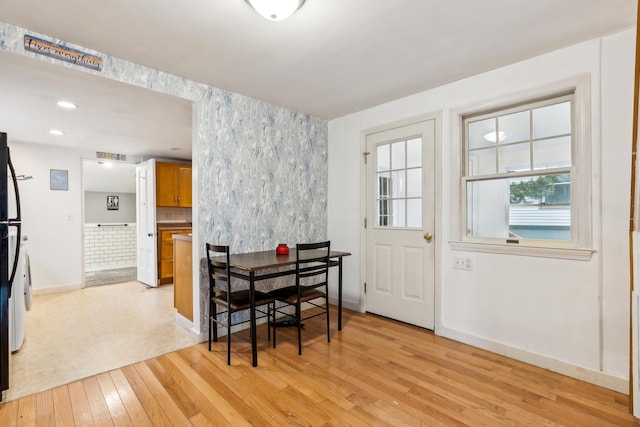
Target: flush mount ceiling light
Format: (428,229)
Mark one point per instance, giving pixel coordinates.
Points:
(275,10)
(66,104)
(491,136)
(56,132)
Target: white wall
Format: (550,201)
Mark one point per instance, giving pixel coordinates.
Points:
(95,207)
(51,219)
(569,316)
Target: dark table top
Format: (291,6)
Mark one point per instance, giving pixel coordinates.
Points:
(254,261)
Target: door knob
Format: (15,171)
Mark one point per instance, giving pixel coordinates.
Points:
(428,237)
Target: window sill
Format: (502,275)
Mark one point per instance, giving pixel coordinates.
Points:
(532,251)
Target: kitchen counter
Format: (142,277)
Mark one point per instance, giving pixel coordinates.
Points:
(185,237)
(173,225)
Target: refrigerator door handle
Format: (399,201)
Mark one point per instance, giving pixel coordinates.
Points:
(14,178)
(16,258)
(15,222)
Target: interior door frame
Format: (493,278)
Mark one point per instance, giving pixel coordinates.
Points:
(438,233)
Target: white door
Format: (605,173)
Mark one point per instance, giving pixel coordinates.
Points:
(146,223)
(400,223)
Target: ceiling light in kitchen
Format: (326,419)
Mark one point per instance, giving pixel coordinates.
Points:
(66,104)
(275,10)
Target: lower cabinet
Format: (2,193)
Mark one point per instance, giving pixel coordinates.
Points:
(165,254)
(183,278)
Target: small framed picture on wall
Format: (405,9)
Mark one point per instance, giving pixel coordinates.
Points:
(113,203)
(59,179)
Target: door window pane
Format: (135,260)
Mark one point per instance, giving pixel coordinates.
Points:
(398,155)
(384,158)
(399,201)
(414,182)
(398,184)
(414,153)
(414,213)
(398,213)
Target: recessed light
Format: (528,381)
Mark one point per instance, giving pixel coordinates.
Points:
(66,104)
(56,132)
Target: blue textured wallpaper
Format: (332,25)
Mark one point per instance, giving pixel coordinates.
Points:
(262,169)
(264,176)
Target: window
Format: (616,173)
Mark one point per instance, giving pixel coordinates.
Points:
(399,193)
(519,177)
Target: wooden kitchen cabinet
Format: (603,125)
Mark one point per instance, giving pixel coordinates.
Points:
(183,278)
(173,184)
(165,254)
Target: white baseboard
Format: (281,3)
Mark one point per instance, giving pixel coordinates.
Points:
(56,289)
(601,379)
(198,336)
(349,305)
(203,336)
(184,322)
(93,269)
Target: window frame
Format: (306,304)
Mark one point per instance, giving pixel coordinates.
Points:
(580,245)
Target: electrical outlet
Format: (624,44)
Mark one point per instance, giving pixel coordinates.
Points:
(461,263)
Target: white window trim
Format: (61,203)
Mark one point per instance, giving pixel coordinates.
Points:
(581,246)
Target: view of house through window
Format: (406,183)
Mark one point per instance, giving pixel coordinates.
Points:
(399,193)
(518,171)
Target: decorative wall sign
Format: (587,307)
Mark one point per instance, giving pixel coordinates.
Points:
(54,50)
(59,179)
(113,203)
(111,156)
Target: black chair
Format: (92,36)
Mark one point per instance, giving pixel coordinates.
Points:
(312,277)
(231,301)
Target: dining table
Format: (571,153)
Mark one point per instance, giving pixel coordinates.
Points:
(257,266)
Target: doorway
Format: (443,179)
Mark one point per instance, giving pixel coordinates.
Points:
(400,197)
(109,226)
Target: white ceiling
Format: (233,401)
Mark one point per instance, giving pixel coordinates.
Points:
(330,59)
(111,116)
(118,177)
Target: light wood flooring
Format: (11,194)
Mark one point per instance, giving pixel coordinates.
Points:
(72,335)
(374,372)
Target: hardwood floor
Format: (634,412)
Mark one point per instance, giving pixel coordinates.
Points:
(375,372)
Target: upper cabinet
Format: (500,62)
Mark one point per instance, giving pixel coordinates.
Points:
(173,184)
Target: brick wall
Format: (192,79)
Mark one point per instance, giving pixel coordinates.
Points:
(109,246)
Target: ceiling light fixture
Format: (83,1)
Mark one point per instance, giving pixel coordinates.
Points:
(275,10)
(57,132)
(66,104)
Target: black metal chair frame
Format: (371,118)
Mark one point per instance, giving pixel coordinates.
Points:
(232,302)
(313,268)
